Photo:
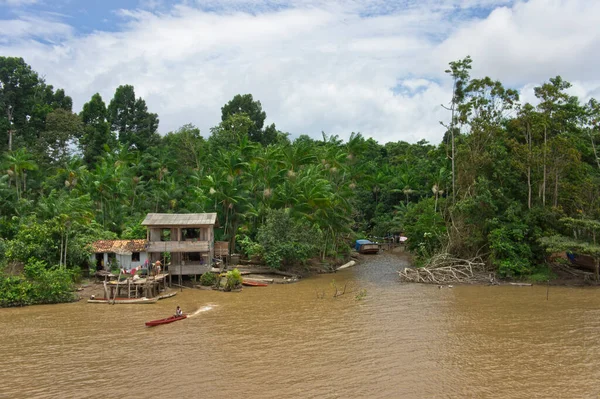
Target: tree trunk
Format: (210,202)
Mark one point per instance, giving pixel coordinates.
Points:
(529,168)
(544,181)
(66,245)
(556,190)
(594,148)
(61,251)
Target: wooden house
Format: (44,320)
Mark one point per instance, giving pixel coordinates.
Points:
(185,241)
(126,254)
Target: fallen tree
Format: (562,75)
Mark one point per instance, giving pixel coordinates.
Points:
(444,268)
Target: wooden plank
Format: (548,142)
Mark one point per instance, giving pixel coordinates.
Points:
(178,246)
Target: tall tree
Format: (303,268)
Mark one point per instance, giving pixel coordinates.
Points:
(97,137)
(63,129)
(552,97)
(18,84)
(129,117)
(245,104)
(459,71)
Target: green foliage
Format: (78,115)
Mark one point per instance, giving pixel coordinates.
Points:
(134,230)
(425,228)
(38,284)
(129,117)
(503,176)
(511,254)
(208,279)
(362,294)
(233,280)
(249,247)
(541,274)
(245,104)
(286,241)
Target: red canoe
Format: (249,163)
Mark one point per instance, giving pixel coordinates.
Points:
(254,283)
(165,321)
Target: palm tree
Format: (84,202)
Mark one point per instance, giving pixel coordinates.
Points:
(18,162)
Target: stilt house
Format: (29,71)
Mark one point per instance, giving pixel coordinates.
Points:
(185,242)
(122,253)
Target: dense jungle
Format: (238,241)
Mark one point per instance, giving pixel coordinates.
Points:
(509,183)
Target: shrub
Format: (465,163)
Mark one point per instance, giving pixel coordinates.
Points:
(38,284)
(286,241)
(510,245)
(234,279)
(208,279)
(249,247)
(425,228)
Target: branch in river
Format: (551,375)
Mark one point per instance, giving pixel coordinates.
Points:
(444,268)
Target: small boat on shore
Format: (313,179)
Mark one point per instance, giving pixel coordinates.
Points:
(167,295)
(124,301)
(250,283)
(366,247)
(165,321)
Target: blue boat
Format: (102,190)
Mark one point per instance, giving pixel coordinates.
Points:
(366,247)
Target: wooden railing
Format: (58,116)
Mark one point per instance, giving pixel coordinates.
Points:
(188,269)
(178,246)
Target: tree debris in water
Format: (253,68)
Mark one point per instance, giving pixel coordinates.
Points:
(444,268)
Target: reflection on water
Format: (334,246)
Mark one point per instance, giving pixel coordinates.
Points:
(297,341)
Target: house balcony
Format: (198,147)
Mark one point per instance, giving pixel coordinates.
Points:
(178,246)
(188,269)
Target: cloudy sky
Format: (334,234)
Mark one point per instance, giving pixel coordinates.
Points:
(369,66)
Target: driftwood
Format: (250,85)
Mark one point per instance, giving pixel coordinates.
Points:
(521,284)
(347,265)
(443,269)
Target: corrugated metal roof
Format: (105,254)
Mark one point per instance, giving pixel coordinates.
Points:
(180,219)
(119,246)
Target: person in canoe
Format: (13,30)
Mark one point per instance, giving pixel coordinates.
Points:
(178,312)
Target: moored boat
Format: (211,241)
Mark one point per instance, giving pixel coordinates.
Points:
(366,247)
(250,283)
(167,295)
(124,301)
(165,321)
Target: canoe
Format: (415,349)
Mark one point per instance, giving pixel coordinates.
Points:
(167,295)
(165,321)
(124,301)
(254,283)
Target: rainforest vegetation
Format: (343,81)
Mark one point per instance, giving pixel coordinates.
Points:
(505,175)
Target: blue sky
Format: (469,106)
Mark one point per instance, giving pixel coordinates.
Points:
(339,66)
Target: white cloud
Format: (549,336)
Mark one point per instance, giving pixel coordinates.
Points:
(33,27)
(338,67)
(17,3)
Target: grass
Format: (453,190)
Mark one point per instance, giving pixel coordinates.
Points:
(541,274)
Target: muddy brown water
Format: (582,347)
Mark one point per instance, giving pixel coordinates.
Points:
(284,341)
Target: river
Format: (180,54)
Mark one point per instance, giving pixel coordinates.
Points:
(298,341)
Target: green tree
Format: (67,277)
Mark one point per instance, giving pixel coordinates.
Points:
(97,138)
(129,117)
(245,104)
(63,129)
(459,72)
(18,83)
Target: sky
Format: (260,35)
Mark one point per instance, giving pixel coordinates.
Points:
(335,66)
